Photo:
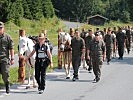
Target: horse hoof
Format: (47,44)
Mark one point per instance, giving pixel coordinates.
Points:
(34,86)
(67,77)
(27,87)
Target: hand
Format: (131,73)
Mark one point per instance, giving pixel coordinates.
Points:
(51,64)
(104,57)
(12,61)
(88,57)
(82,57)
(26,59)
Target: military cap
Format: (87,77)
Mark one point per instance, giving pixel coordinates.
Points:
(1,24)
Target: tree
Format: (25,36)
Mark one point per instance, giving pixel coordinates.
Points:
(130,8)
(36,9)
(15,11)
(48,10)
(27,13)
(4,4)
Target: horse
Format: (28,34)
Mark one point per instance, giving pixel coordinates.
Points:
(64,51)
(25,48)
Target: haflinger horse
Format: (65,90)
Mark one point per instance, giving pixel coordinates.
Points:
(25,48)
(65,52)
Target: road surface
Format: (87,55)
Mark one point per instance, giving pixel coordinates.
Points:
(116,84)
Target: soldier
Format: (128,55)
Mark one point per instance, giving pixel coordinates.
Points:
(128,39)
(88,39)
(120,37)
(83,33)
(110,42)
(71,32)
(96,51)
(78,53)
(6,48)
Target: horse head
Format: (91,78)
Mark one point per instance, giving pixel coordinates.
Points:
(64,40)
(25,45)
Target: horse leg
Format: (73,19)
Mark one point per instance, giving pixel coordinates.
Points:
(59,60)
(68,60)
(28,72)
(34,80)
(69,63)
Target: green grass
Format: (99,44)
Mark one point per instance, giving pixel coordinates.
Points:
(14,73)
(33,28)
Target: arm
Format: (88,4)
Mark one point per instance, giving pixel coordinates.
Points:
(12,56)
(31,54)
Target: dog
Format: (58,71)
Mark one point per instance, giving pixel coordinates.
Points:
(21,70)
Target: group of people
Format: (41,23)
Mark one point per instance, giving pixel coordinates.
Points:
(42,60)
(96,47)
(93,47)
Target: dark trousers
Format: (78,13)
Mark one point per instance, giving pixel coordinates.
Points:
(76,62)
(109,54)
(88,61)
(4,70)
(40,73)
(120,50)
(97,64)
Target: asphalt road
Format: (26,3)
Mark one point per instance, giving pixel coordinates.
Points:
(116,84)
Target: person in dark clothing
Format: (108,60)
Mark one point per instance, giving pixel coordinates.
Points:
(110,42)
(120,37)
(78,53)
(88,39)
(43,59)
(128,39)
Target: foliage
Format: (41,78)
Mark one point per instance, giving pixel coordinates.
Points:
(14,10)
(33,28)
(81,9)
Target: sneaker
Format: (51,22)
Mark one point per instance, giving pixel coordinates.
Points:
(75,78)
(89,69)
(97,79)
(41,91)
(108,63)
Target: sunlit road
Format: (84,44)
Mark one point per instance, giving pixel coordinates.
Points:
(116,84)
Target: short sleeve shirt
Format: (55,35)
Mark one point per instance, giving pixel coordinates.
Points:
(77,46)
(6,44)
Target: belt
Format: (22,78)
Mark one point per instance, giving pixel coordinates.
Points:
(41,59)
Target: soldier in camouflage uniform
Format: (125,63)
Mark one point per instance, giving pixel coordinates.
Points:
(96,50)
(6,48)
(78,53)
(88,39)
(110,42)
(128,39)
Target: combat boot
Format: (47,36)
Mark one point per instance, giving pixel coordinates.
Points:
(7,88)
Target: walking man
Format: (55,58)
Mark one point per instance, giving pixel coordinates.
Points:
(96,51)
(120,37)
(78,53)
(6,50)
(88,39)
(110,42)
